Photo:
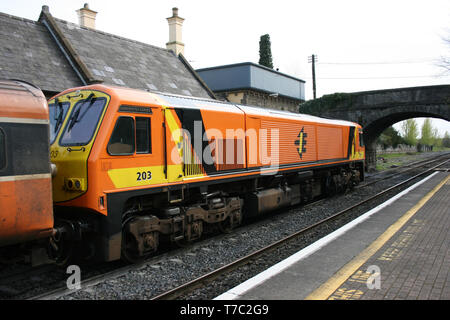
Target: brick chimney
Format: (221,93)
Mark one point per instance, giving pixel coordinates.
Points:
(175,40)
(86,17)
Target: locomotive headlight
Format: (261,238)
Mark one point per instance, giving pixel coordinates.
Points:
(74,184)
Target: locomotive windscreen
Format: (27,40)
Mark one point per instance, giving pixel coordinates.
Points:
(57,114)
(82,122)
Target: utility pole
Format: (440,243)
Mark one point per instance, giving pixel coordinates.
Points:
(313,59)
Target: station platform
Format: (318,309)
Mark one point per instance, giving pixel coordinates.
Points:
(399,250)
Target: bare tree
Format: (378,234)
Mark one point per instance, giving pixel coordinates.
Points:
(444,62)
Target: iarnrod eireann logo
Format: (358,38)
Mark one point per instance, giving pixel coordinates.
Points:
(301,142)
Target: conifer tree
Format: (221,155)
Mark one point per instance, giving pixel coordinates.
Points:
(265,52)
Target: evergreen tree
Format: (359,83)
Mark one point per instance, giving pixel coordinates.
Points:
(265,52)
(390,138)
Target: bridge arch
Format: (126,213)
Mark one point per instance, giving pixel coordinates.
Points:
(378,110)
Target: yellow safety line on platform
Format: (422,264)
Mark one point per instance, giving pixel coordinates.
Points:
(329,287)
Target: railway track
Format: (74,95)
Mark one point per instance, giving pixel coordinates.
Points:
(211,276)
(33,277)
(404,169)
(189,286)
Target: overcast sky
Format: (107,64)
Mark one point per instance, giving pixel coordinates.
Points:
(361,45)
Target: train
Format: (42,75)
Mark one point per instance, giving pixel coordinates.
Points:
(114,172)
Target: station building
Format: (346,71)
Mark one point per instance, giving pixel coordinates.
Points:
(253,84)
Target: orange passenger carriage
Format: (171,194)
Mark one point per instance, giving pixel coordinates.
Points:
(25,174)
(135,168)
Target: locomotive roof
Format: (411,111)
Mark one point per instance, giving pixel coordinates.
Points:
(200,103)
(189,102)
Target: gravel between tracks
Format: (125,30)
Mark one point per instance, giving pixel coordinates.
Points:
(152,279)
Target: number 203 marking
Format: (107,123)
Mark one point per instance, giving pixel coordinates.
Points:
(144,175)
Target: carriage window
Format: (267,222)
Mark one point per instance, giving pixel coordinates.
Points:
(143,135)
(361,141)
(122,138)
(2,150)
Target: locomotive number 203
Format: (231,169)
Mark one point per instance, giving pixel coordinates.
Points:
(144,175)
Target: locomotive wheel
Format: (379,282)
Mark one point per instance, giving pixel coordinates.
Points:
(137,248)
(66,253)
(230,222)
(58,251)
(225,225)
(63,250)
(183,243)
(330,186)
(130,252)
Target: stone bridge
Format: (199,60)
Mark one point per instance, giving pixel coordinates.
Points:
(378,110)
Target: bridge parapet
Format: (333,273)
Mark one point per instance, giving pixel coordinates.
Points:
(426,95)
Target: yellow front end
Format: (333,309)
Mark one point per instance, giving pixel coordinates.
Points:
(75,119)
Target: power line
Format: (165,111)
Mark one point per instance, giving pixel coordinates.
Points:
(372,78)
(379,62)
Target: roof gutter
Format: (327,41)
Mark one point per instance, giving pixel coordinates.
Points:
(197,77)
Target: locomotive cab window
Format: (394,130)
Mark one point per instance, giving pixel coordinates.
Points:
(361,141)
(143,135)
(2,150)
(129,135)
(122,138)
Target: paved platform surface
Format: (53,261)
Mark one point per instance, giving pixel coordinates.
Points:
(399,251)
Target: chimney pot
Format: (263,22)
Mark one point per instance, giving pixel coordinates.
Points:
(86,17)
(175,43)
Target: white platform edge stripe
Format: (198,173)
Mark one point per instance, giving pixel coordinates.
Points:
(23,120)
(26,177)
(251,283)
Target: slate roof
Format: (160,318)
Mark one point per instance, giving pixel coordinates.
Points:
(28,53)
(124,62)
(55,55)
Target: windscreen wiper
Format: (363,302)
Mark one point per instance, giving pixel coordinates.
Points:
(75,117)
(59,117)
